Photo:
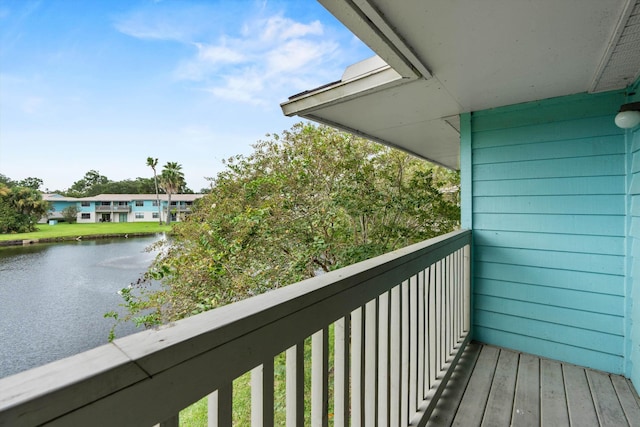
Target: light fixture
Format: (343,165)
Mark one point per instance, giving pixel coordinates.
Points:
(629,116)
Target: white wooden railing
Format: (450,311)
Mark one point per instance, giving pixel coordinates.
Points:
(399,323)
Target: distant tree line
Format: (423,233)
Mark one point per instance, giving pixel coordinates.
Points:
(94,183)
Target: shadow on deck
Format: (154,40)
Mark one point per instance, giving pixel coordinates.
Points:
(498,387)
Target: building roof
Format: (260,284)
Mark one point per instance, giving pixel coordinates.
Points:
(438,59)
(122,197)
(54,197)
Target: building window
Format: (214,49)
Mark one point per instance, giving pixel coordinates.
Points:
(155,203)
(122,203)
(139,203)
(105,203)
(139,215)
(154,215)
(174,203)
(85,216)
(85,204)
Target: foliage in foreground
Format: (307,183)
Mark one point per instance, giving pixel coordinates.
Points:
(21,208)
(306,202)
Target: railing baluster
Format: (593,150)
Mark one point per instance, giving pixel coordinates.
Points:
(421,337)
(295,385)
(460,289)
(452,298)
(427,327)
(341,383)
(320,378)
(456,300)
(447,306)
(370,363)
(262,395)
(220,409)
(441,326)
(467,288)
(357,367)
(383,358)
(413,345)
(394,358)
(404,373)
(435,286)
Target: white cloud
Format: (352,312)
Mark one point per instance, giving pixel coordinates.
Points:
(279,28)
(208,60)
(159,30)
(219,54)
(296,54)
(254,57)
(246,87)
(258,65)
(170,21)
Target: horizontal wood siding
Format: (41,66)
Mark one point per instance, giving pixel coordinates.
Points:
(549,218)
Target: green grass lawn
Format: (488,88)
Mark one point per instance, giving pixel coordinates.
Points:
(46,231)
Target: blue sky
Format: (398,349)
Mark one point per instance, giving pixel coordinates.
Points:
(92,84)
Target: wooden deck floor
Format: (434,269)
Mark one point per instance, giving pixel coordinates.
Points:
(497,387)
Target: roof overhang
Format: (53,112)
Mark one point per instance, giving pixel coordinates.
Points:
(438,59)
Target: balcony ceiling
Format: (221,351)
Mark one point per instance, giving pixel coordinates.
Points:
(439,58)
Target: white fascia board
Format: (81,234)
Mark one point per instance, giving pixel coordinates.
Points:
(404,51)
(342,91)
(373,138)
(365,21)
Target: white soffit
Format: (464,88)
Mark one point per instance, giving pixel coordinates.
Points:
(406,115)
(492,53)
(455,56)
(620,65)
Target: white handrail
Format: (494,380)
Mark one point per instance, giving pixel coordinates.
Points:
(147,378)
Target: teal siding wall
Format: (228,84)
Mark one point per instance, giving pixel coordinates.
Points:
(58,207)
(549,202)
(634,258)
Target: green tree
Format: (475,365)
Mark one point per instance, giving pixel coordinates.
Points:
(153,163)
(172,181)
(128,186)
(70,214)
(20,209)
(305,202)
(90,185)
(31,182)
(8,182)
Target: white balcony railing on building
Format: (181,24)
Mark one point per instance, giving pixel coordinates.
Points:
(399,323)
(113,208)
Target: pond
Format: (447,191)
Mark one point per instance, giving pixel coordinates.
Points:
(53,297)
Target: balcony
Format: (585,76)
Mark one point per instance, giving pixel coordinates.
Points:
(399,329)
(114,208)
(179,208)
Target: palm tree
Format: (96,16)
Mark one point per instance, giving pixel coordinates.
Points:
(152,163)
(171,180)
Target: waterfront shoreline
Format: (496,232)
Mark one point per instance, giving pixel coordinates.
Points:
(27,242)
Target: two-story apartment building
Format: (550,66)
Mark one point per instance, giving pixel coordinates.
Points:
(122,207)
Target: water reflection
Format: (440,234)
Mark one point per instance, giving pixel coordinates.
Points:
(53,297)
